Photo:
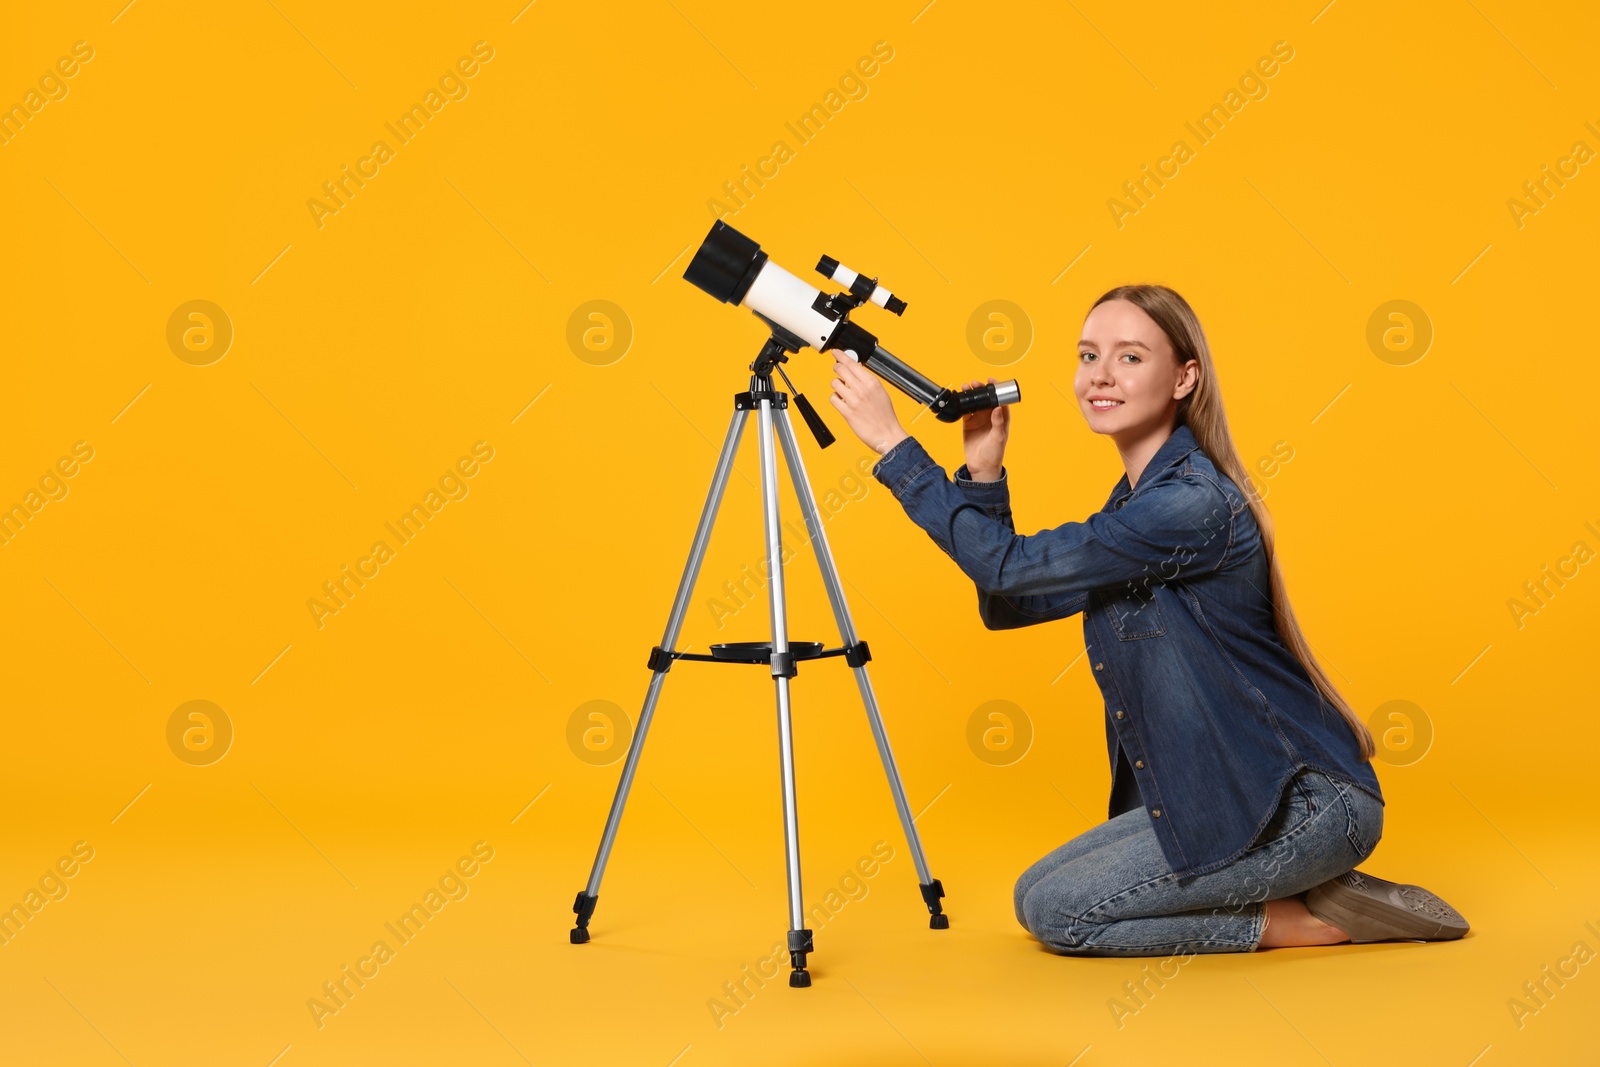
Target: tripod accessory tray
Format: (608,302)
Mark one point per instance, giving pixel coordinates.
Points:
(761,651)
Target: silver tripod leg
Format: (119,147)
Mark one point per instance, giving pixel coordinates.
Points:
(782,670)
(931,889)
(583,907)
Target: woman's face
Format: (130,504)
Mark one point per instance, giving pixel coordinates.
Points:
(1125,357)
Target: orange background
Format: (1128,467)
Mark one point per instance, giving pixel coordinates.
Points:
(447,302)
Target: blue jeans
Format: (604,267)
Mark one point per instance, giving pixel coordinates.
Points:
(1110,892)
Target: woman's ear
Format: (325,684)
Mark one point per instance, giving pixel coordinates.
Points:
(1188,381)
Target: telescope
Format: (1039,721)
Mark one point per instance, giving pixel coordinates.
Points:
(734,269)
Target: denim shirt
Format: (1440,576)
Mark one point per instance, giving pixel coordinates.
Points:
(1208,714)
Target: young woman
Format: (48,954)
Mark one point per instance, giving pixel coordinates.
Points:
(1242,793)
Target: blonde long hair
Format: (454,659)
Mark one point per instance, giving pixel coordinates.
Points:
(1202,411)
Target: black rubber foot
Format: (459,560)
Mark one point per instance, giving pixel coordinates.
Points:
(579,935)
(939,922)
(799,979)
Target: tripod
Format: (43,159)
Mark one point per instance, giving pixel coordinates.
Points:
(781,654)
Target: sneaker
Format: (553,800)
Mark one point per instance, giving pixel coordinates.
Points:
(1371,909)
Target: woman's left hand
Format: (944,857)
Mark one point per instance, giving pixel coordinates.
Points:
(865,404)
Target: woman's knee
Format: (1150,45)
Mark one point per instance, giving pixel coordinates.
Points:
(1019,894)
(1050,913)
(1024,898)
(1031,877)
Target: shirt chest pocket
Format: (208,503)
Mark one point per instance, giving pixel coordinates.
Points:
(1134,611)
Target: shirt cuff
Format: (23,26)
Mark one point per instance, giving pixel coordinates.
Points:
(908,460)
(904,462)
(988,494)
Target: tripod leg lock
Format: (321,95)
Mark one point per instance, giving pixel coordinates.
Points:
(783,665)
(930,896)
(799,945)
(583,908)
(660,659)
(858,654)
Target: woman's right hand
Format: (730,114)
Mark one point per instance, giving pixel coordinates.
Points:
(983,434)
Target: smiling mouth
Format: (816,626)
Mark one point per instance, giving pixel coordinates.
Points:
(1105,405)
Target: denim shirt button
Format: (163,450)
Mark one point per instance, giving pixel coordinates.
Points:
(1119,714)
(1099,666)
(1156,813)
(1138,763)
